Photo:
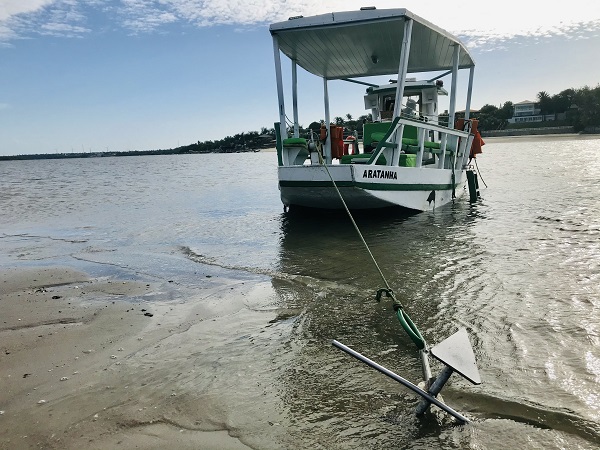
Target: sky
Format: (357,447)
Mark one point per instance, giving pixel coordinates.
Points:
(118,75)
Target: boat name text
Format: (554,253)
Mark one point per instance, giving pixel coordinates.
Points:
(386,174)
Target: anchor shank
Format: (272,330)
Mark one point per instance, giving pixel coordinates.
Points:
(400,380)
(425,365)
(441,380)
(435,389)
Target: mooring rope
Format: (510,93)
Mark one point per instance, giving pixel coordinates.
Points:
(479,172)
(408,325)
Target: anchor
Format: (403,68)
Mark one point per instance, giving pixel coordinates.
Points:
(455,353)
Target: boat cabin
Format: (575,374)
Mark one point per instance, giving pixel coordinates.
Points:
(420,99)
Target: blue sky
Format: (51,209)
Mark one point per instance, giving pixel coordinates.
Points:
(99,75)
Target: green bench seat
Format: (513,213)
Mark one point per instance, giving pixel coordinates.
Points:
(377,137)
(406,160)
(362,158)
(295,142)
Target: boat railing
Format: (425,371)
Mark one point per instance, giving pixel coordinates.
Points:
(450,143)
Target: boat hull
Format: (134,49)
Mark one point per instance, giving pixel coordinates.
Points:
(368,186)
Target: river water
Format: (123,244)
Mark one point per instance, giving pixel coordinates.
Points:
(520,270)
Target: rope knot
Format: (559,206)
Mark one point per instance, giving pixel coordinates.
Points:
(387,292)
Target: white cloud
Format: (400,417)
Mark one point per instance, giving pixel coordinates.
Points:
(10,8)
(141,15)
(62,30)
(487,41)
(144,16)
(485,25)
(23,18)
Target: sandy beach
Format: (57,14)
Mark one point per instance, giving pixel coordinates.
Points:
(70,377)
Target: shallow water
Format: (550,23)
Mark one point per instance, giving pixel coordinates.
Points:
(520,270)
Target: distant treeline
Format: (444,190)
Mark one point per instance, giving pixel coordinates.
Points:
(242,142)
(580,108)
(86,155)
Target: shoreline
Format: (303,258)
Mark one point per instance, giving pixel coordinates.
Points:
(122,154)
(72,349)
(542,137)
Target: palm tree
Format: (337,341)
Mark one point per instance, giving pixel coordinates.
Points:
(545,102)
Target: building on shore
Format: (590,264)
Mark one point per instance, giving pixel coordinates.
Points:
(528,111)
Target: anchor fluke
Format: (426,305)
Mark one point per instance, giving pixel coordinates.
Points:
(456,352)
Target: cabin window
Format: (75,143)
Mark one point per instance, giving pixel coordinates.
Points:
(410,106)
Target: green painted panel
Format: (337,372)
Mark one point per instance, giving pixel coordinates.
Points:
(369,186)
(287,183)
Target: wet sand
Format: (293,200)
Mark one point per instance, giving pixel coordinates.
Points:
(70,370)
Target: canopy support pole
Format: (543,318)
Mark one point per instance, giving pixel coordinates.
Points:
(403,66)
(469,92)
(279,79)
(402,71)
(295,97)
(327,146)
(452,112)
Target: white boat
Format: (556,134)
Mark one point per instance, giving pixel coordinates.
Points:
(409,158)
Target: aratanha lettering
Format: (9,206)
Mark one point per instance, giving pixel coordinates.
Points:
(386,174)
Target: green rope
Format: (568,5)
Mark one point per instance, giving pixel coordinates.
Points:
(406,322)
(410,328)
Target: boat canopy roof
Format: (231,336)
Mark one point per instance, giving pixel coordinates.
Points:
(366,43)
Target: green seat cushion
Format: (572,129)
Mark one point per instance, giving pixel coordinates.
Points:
(362,158)
(429,144)
(415,142)
(295,142)
(407,160)
(370,128)
(377,136)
